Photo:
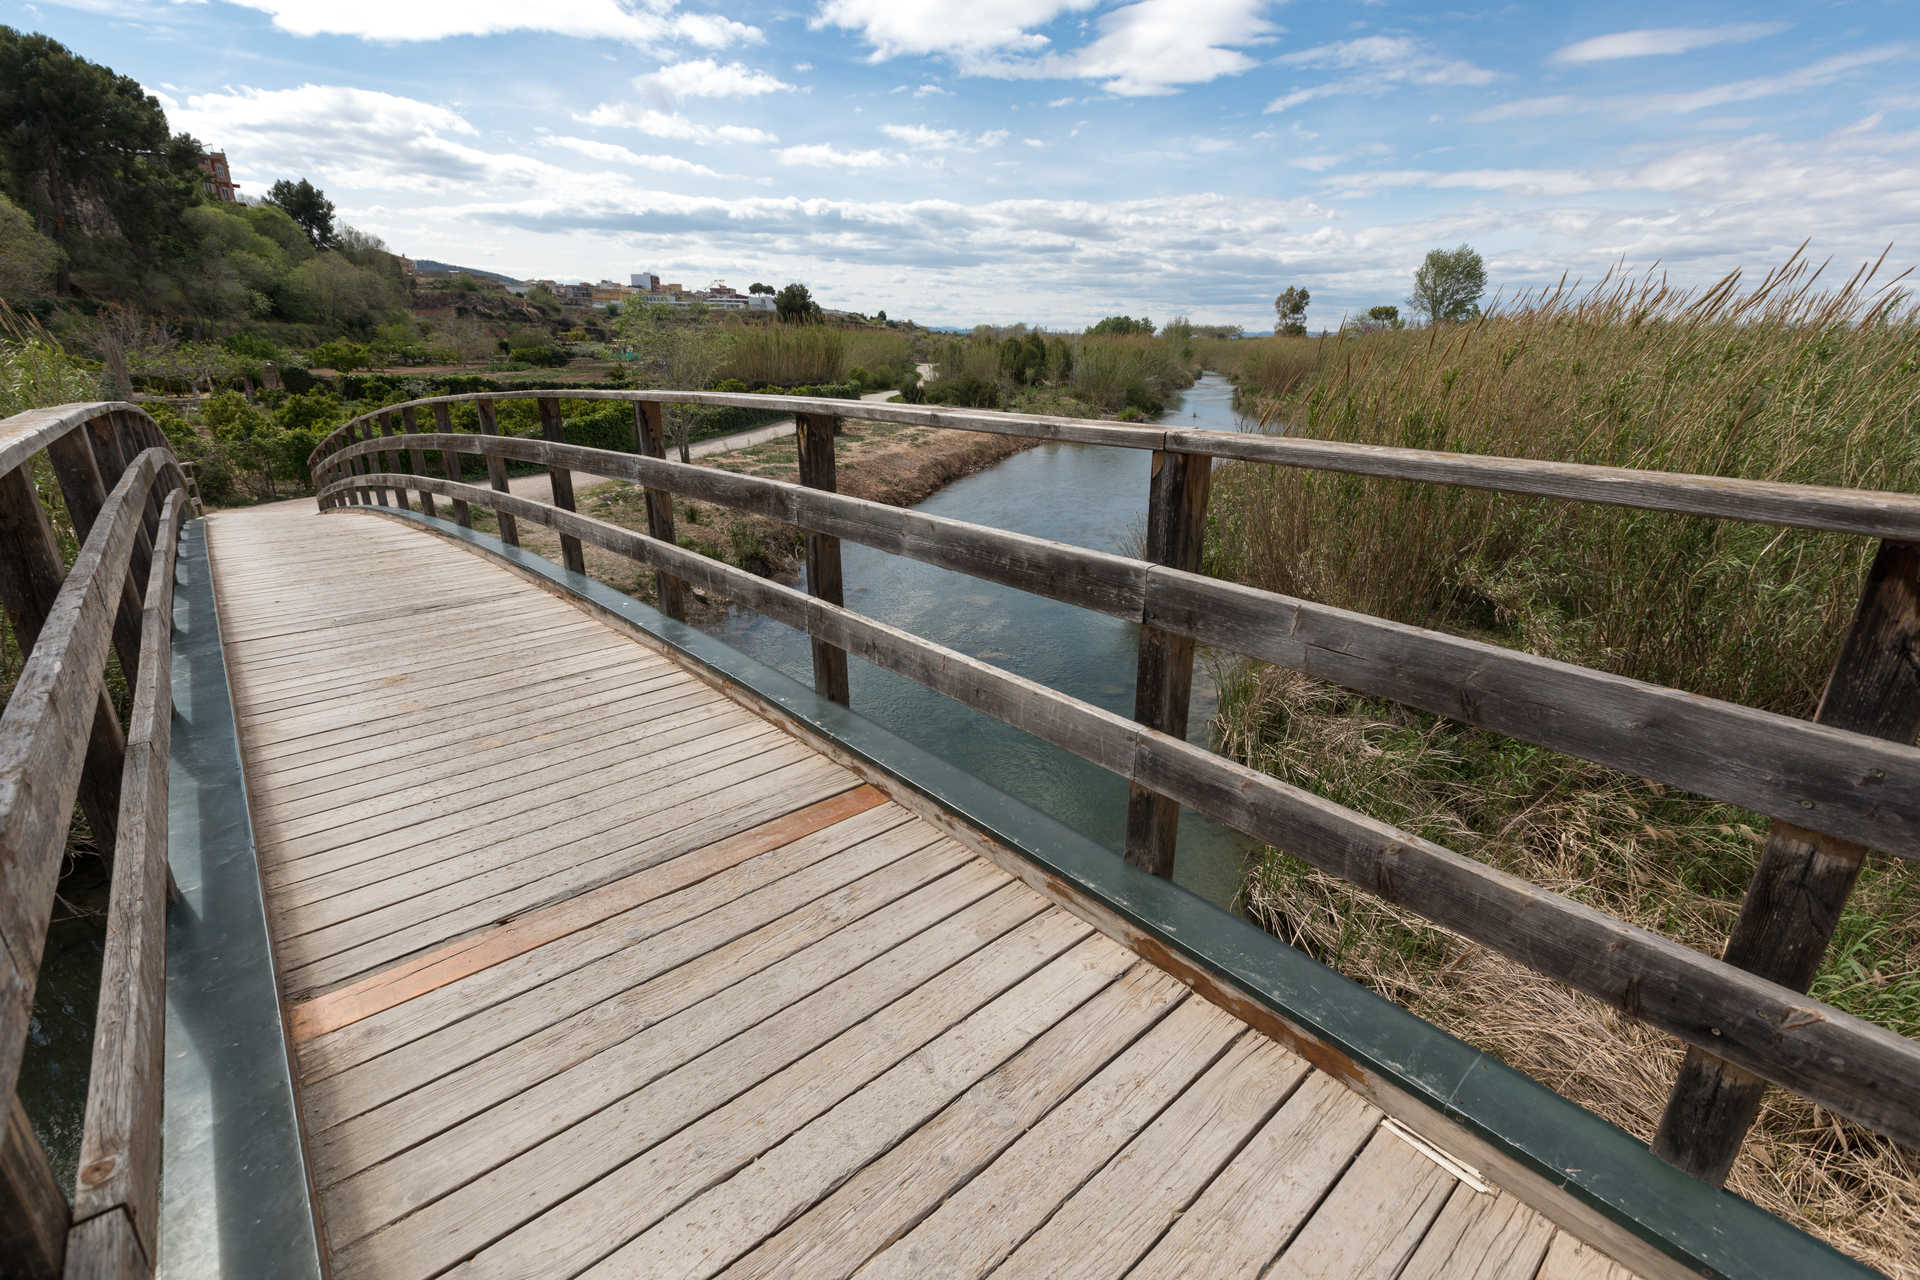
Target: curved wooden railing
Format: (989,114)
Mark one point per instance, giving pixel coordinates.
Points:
(1835,787)
(61,740)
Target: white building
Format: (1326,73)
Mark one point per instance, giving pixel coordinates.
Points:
(644,280)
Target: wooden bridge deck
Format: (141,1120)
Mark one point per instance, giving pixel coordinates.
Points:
(590,969)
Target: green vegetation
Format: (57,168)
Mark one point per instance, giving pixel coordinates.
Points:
(1290,311)
(1115,369)
(1778,382)
(1448,285)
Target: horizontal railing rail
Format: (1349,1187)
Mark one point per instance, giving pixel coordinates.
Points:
(1835,786)
(61,740)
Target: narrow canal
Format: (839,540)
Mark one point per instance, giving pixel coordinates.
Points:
(1084,495)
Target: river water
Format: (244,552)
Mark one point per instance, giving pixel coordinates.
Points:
(1086,495)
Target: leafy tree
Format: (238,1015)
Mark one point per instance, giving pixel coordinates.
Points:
(341,356)
(1290,311)
(246,434)
(880,317)
(757,287)
(88,154)
(1448,285)
(308,206)
(27,258)
(675,351)
(1121,327)
(795,305)
(1385,315)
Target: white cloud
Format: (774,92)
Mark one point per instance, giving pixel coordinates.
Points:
(801,68)
(1665,40)
(1067,101)
(896,27)
(824,155)
(1381,63)
(614,153)
(705,78)
(416,20)
(667,124)
(1815,75)
(929,89)
(922,138)
(1151,47)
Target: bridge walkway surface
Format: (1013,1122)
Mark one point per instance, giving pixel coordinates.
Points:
(589,968)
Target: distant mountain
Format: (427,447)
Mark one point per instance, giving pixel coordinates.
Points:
(428,264)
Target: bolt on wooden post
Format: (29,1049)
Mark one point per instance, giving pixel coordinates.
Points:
(1176,533)
(814,435)
(1803,879)
(650,441)
(562,481)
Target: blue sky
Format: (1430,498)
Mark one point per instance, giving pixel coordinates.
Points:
(1056,160)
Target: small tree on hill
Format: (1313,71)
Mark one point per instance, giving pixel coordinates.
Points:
(307,205)
(1448,285)
(796,305)
(757,287)
(1386,315)
(1290,311)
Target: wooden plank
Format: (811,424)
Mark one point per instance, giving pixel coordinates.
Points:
(705,1232)
(1487,1236)
(650,440)
(33,1209)
(450,464)
(1176,537)
(1118,1214)
(551,1199)
(1802,881)
(813,437)
(1569,1258)
(1246,1215)
(105,1248)
(426,1143)
(562,481)
(417,458)
(986,1219)
(887,1194)
(1374,1218)
(497,472)
(523,933)
(389,460)
(78,471)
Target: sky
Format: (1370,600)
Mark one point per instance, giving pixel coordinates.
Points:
(1054,161)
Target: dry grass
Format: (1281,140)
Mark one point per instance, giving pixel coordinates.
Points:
(1778,382)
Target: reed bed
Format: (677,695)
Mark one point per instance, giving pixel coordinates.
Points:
(1782,380)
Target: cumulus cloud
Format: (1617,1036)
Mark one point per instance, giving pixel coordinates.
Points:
(668,124)
(922,138)
(705,78)
(416,20)
(824,155)
(1664,41)
(896,27)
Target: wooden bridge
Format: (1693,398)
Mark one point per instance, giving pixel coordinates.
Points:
(586,945)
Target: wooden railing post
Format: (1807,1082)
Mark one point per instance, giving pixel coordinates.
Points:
(30,578)
(497,472)
(417,458)
(650,441)
(814,436)
(390,462)
(78,472)
(562,481)
(33,1209)
(354,466)
(1803,879)
(1176,534)
(114,450)
(450,465)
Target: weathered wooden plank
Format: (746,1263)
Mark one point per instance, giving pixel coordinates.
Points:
(1490,1236)
(552,1199)
(497,471)
(105,1247)
(1245,1217)
(707,1231)
(389,463)
(1802,882)
(450,464)
(887,1194)
(1569,1258)
(1118,1214)
(33,1210)
(813,437)
(417,457)
(976,1227)
(650,441)
(1374,1218)
(1176,537)
(562,481)
(78,472)
(120,1139)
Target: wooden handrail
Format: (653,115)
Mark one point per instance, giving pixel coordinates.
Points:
(60,740)
(1842,1062)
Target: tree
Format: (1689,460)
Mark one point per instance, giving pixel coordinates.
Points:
(1386,315)
(880,317)
(1448,285)
(1121,327)
(795,305)
(27,258)
(1290,311)
(307,205)
(757,287)
(681,352)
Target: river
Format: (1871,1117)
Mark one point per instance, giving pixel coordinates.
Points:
(1088,496)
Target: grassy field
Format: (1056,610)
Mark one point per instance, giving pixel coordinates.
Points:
(1784,380)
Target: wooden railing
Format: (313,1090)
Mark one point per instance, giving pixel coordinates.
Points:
(61,740)
(1836,786)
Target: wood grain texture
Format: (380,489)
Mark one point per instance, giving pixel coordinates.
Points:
(1373,1220)
(561,479)
(33,1209)
(814,442)
(496,472)
(417,457)
(650,441)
